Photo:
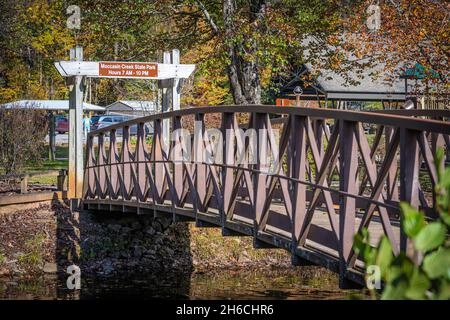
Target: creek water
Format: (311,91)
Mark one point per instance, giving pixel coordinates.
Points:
(288,283)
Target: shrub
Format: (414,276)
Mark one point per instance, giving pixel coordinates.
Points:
(22,134)
(2,258)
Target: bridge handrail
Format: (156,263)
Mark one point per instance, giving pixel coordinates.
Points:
(438,113)
(380,118)
(310,184)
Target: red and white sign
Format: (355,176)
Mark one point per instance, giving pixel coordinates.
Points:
(124,69)
(128,69)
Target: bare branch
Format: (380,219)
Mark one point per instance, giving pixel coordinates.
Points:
(208,16)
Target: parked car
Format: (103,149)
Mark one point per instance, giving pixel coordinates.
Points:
(59,117)
(94,120)
(105,121)
(62,125)
(133,129)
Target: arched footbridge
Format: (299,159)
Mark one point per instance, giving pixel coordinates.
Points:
(301,179)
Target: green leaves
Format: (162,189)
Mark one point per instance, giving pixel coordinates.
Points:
(430,237)
(437,264)
(395,290)
(418,285)
(384,256)
(443,291)
(410,283)
(403,277)
(445,216)
(442,188)
(363,248)
(413,220)
(426,237)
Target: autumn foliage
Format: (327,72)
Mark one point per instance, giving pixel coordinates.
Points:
(239,47)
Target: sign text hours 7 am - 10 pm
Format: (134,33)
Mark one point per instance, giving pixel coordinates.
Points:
(128,69)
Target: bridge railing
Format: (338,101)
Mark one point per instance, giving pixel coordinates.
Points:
(303,179)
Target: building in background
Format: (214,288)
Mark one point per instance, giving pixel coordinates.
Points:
(50,105)
(132,108)
(330,89)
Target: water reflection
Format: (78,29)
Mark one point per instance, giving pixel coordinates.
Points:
(291,283)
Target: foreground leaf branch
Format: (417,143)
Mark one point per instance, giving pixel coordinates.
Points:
(402,278)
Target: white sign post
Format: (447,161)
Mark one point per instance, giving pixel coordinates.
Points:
(170,89)
(167,73)
(76,85)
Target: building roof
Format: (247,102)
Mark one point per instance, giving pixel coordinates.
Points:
(334,87)
(370,82)
(368,87)
(131,105)
(49,105)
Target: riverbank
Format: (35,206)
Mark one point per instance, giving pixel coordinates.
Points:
(46,238)
(126,256)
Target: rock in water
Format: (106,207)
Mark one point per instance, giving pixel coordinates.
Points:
(108,267)
(114,227)
(50,267)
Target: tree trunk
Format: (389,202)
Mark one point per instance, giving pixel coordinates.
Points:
(242,72)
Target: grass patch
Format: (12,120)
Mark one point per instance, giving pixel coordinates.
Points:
(47,165)
(45,180)
(32,257)
(62,151)
(2,258)
(44,164)
(210,245)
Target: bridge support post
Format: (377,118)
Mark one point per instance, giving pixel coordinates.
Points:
(259,179)
(200,178)
(227,173)
(392,190)
(178,152)
(297,169)
(347,206)
(409,182)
